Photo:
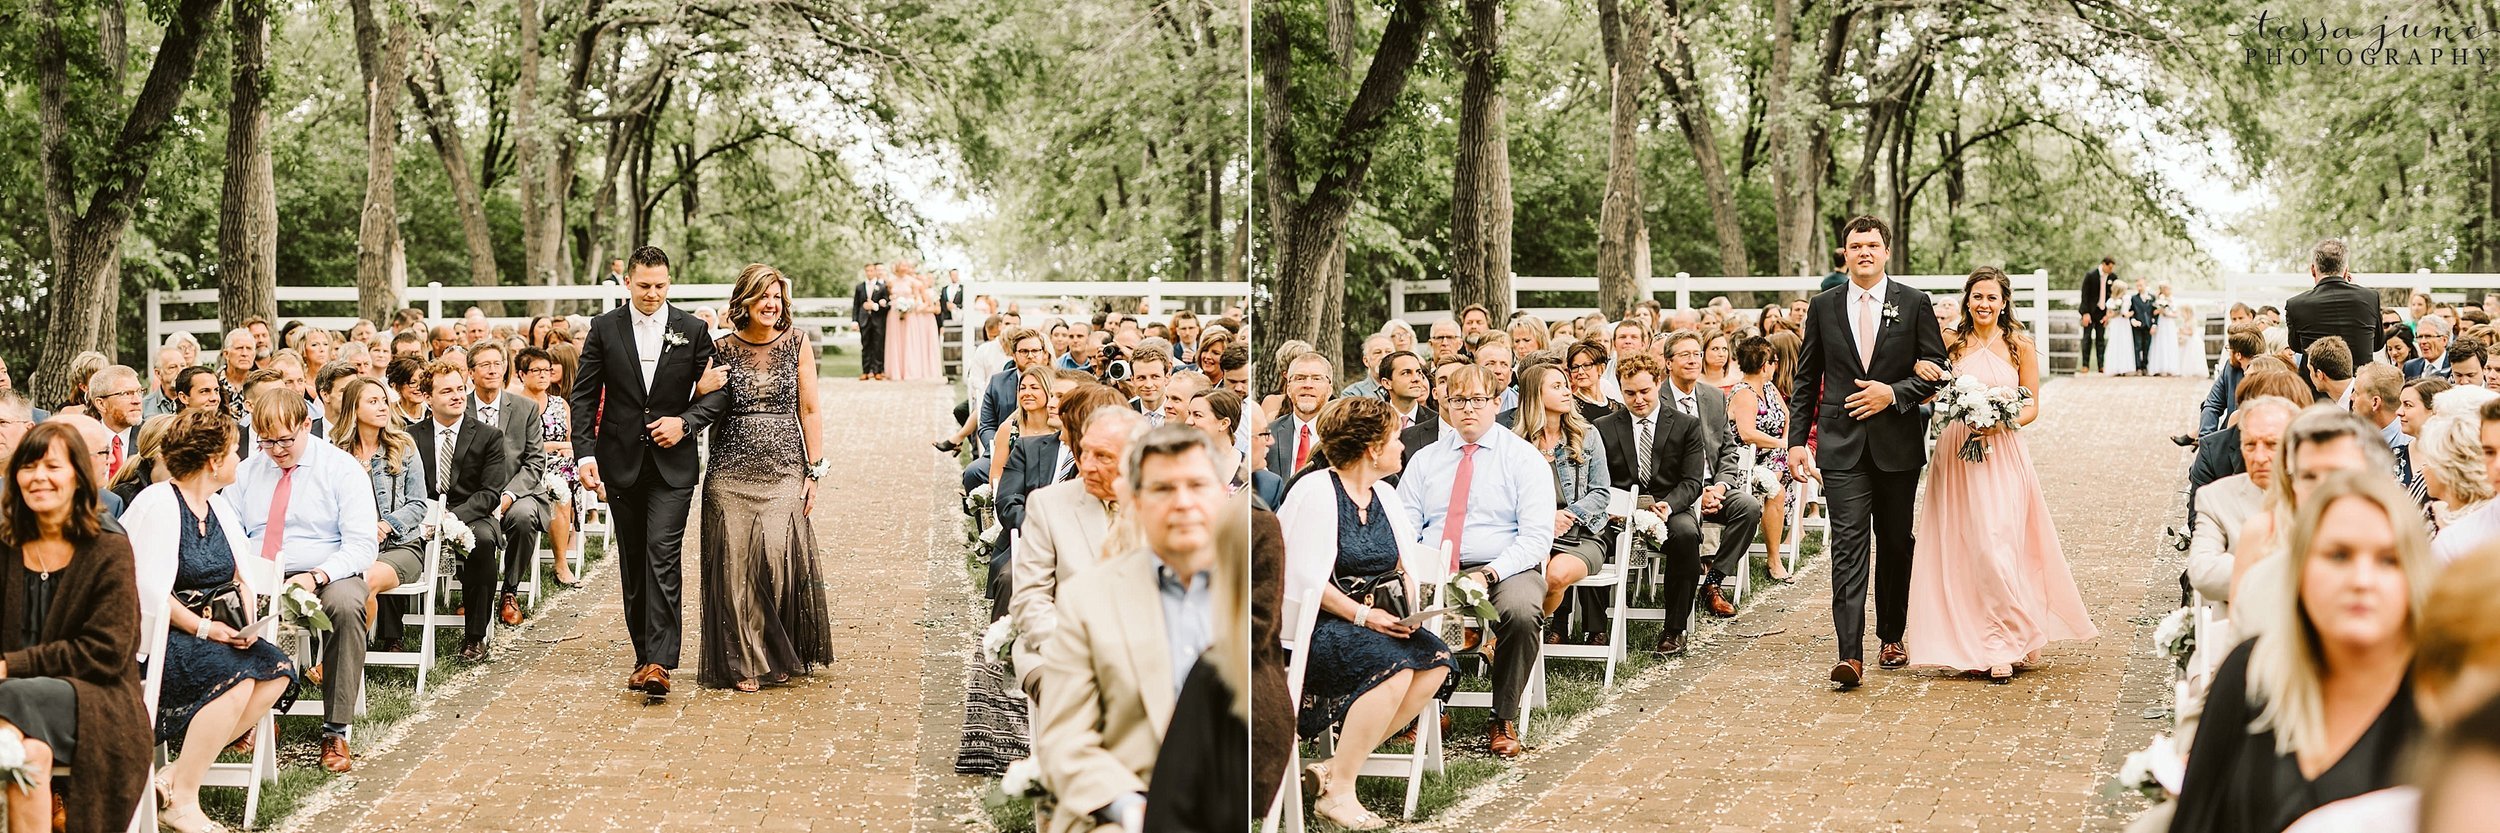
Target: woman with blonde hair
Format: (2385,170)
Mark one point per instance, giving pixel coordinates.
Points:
(2449,455)
(1529,335)
(2318,707)
(2321,441)
(370,432)
(1549,418)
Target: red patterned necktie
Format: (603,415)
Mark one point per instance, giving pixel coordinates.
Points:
(1302,448)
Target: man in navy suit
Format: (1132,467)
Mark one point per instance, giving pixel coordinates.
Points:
(2143,304)
(1863,342)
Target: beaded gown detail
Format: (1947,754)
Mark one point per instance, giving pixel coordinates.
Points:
(764,608)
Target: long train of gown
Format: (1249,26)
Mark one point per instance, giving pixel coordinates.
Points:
(1988,582)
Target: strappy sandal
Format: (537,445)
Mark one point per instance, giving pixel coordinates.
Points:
(1347,813)
(747,685)
(2001,674)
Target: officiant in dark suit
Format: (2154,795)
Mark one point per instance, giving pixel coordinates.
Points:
(2095,319)
(2144,305)
(636,411)
(2334,306)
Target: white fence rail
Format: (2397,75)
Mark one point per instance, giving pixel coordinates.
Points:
(2031,292)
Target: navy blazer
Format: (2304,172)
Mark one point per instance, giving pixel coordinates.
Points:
(1029,467)
(998,403)
(2143,306)
(2220,400)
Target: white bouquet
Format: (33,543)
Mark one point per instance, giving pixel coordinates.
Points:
(978,500)
(1766,480)
(2155,770)
(13,764)
(906,305)
(998,643)
(457,538)
(2175,637)
(1023,779)
(558,486)
(301,605)
(1466,592)
(1649,530)
(1972,402)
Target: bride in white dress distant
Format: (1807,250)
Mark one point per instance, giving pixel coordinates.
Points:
(2192,360)
(2119,358)
(2163,358)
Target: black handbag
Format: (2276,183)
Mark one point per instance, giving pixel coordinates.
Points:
(1386,591)
(223,604)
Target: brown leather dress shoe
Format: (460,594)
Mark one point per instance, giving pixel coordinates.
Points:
(1718,603)
(655,680)
(1669,645)
(334,755)
(1503,740)
(315,675)
(1893,655)
(1849,673)
(633,681)
(473,651)
(511,609)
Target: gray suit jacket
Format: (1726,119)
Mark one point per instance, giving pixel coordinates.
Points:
(2221,507)
(519,420)
(1718,436)
(1064,532)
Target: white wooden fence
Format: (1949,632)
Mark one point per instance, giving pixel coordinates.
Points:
(2031,292)
(1075,299)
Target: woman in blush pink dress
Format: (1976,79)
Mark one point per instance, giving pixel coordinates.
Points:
(911,348)
(1990,586)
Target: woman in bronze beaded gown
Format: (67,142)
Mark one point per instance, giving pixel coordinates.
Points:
(764,612)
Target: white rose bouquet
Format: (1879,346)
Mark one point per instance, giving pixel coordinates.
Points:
(1972,402)
(2155,770)
(1649,530)
(2175,637)
(1023,779)
(301,605)
(999,642)
(906,305)
(1466,592)
(13,764)
(457,539)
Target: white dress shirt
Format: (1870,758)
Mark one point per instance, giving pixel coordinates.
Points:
(1859,295)
(1510,502)
(330,513)
(648,332)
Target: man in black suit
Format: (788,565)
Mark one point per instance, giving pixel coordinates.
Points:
(950,298)
(2334,306)
(478,468)
(868,303)
(2143,304)
(2095,320)
(636,411)
(1726,496)
(1668,477)
(1309,382)
(1857,384)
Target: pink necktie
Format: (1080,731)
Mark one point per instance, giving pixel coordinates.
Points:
(274,532)
(1454,521)
(1866,329)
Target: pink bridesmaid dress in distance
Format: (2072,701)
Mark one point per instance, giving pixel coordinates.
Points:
(1989,583)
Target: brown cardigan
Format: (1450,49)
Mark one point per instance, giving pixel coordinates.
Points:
(94,624)
(1271,711)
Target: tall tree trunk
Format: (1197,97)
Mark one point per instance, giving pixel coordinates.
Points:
(382,57)
(247,216)
(1624,32)
(82,307)
(1701,133)
(1480,206)
(1307,223)
(528,147)
(431,96)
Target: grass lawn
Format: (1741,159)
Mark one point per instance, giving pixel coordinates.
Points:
(1572,688)
(390,697)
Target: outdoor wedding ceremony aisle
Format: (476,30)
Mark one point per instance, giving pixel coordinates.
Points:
(1745,734)
(546,738)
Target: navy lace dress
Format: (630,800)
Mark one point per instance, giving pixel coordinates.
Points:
(198,671)
(1349,659)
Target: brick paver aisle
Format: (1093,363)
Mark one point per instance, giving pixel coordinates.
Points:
(1747,735)
(547,739)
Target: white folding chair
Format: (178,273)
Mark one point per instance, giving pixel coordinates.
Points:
(154,621)
(424,591)
(1619,504)
(1533,697)
(264,576)
(1301,616)
(1800,493)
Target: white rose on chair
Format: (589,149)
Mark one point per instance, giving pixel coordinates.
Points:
(2155,771)
(457,538)
(301,605)
(1972,402)
(1023,779)
(13,764)
(1466,591)
(1649,529)
(2175,637)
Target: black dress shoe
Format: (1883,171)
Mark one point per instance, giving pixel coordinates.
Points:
(2185,440)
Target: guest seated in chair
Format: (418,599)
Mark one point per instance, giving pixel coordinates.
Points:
(309,506)
(1549,418)
(189,544)
(1368,672)
(69,628)
(1490,496)
(465,463)
(366,428)
(1668,476)
(523,504)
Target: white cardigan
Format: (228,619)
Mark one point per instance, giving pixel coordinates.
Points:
(154,522)
(1309,519)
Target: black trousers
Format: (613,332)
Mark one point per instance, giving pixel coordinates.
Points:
(650,519)
(478,572)
(1872,516)
(522,525)
(2095,341)
(872,345)
(1681,567)
(2143,349)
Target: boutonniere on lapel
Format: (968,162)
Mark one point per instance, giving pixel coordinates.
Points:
(670,339)
(1891,313)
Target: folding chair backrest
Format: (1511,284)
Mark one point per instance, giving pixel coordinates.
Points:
(1303,616)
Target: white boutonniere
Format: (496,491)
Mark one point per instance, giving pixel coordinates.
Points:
(672,339)
(1891,313)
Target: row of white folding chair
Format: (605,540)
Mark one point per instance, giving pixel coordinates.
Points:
(1619,504)
(586,506)
(1301,615)
(154,622)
